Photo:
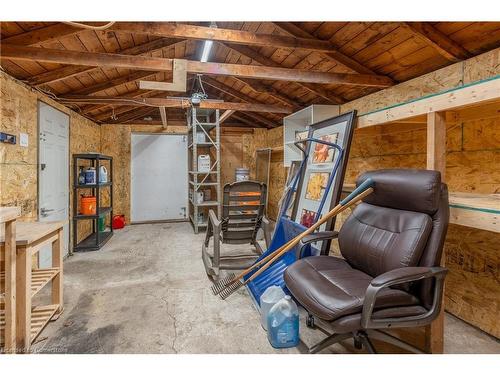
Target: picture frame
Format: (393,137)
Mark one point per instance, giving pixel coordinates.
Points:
(321,161)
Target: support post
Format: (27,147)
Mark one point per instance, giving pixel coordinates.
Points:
(10,286)
(436,160)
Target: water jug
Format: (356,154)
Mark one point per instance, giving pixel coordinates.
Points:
(267,300)
(283,324)
(103,174)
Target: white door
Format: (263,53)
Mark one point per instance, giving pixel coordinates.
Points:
(159,170)
(53,173)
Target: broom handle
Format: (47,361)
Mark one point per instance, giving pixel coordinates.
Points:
(344,204)
(287,247)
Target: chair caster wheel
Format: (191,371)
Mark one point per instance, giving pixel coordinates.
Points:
(310,321)
(358,344)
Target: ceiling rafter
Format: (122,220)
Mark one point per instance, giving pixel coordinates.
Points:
(445,46)
(263,60)
(75,70)
(13,52)
(44,34)
(334,55)
(185,31)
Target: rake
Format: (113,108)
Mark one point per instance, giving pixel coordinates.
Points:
(231,283)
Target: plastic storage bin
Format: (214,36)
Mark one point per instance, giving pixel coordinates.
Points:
(283,324)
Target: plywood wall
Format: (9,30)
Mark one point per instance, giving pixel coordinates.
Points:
(18,165)
(272,139)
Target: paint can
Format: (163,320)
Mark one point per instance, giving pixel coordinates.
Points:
(242,174)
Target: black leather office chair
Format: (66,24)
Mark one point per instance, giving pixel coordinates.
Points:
(390,276)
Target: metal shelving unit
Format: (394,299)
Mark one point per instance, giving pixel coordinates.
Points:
(96,239)
(205,122)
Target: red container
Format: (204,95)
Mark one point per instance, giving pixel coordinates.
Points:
(118,221)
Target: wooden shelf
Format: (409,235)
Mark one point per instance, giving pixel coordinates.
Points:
(40,316)
(41,277)
(481,211)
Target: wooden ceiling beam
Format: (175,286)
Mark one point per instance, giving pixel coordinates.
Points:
(172,103)
(222,88)
(12,52)
(74,70)
(262,88)
(264,60)
(445,46)
(106,85)
(222,35)
(252,123)
(261,118)
(44,34)
(333,55)
(225,116)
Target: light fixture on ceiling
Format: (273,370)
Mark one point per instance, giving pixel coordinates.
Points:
(207,46)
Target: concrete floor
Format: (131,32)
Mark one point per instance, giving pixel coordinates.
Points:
(146,291)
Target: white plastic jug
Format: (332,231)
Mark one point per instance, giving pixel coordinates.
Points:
(103,174)
(283,324)
(267,300)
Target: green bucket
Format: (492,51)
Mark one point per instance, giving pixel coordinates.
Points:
(101,223)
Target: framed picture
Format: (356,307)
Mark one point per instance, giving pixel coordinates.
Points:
(313,186)
(324,153)
(316,185)
(307,218)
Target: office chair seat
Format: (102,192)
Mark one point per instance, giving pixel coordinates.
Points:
(330,288)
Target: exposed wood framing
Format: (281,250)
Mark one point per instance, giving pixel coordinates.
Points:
(436,142)
(228,113)
(264,60)
(222,35)
(44,34)
(460,97)
(334,55)
(12,52)
(163,116)
(73,70)
(238,95)
(445,46)
(173,103)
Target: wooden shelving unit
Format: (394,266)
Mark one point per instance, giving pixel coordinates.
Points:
(96,239)
(31,320)
(205,123)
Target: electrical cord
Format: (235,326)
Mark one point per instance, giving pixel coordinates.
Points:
(90,27)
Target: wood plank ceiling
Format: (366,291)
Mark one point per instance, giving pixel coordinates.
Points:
(292,65)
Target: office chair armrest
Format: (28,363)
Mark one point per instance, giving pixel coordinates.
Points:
(319,236)
(397,277)
(315,237)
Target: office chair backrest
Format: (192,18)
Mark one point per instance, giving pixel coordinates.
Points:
(402,223)
(242,211)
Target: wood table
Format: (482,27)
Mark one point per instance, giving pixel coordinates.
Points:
(8,217)
(30,239)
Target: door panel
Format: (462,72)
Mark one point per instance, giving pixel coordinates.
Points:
(159,187)
(53,173)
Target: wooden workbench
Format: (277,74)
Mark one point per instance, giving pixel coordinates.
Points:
(8,217)
(30,239)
